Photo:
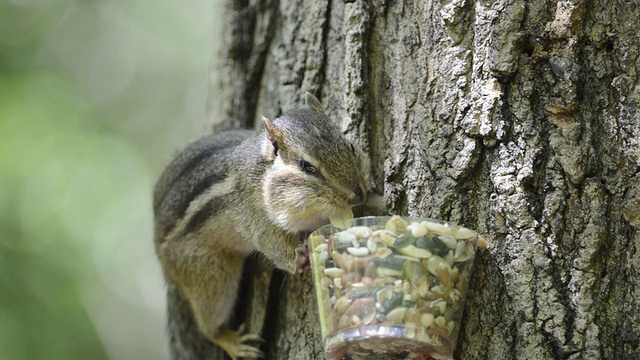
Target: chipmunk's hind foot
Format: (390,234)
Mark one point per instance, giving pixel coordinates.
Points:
(235,344)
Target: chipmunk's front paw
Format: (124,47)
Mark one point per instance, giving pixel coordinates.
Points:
(234,343)
(303,258)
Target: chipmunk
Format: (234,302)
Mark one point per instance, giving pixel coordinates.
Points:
(236,192)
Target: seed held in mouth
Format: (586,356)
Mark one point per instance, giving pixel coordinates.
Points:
(342,219)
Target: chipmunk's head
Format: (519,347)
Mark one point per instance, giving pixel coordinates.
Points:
(316,172)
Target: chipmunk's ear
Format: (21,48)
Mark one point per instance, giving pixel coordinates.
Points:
(312,102)
(274,135)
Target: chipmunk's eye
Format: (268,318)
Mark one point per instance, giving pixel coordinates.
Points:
(307,167)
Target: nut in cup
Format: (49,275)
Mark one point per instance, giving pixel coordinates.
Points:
(391,287)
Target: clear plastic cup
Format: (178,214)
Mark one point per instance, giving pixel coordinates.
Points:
(391,287)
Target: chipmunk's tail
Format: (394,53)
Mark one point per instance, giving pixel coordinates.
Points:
(186,342)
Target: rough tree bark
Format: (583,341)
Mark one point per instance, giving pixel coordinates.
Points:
(516,118)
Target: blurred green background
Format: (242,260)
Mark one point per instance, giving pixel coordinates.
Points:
(95,96)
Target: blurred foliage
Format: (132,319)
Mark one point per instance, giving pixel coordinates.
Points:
(94,97)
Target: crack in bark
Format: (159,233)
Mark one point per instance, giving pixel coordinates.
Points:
(325,48)
(258,57)
(268,333)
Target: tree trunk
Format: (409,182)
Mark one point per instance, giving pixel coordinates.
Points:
(515,118)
